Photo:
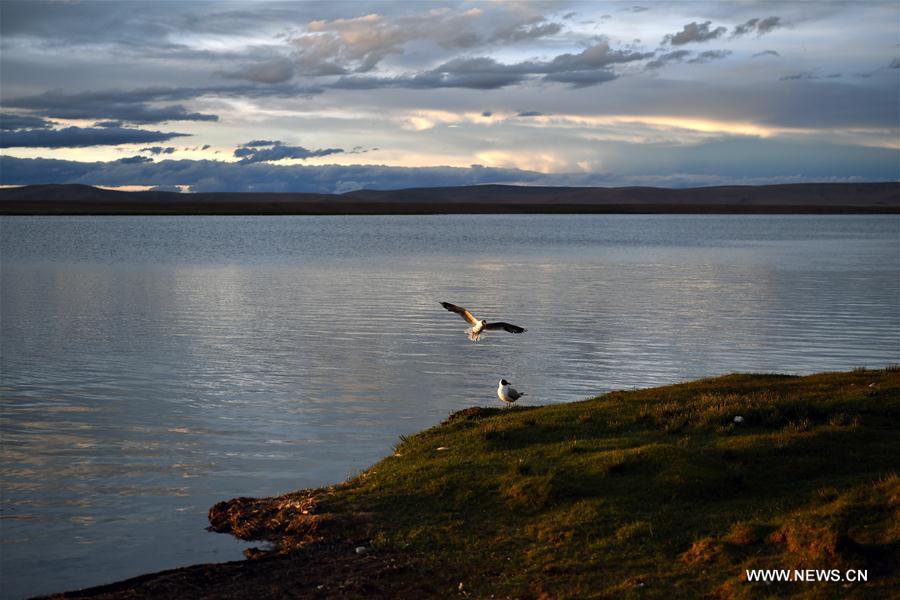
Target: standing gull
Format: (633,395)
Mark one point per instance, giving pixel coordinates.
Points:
(507,393)
(480,325)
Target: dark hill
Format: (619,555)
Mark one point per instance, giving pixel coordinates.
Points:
(795,198)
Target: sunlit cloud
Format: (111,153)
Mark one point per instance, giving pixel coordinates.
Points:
(540,162)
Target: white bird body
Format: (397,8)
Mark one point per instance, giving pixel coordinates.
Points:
(507,393)
(475,330)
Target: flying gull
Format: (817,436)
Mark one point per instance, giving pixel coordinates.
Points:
(480,325)
(506,393)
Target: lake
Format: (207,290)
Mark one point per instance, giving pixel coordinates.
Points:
(152,366)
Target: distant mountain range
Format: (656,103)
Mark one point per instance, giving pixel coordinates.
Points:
(823,198)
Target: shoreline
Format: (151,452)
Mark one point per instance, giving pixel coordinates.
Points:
(659,490)
(862,198)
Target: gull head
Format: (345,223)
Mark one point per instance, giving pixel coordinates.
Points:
(504,382)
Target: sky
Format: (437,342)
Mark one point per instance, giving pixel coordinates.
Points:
(337,96)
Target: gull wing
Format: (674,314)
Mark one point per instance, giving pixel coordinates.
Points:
(461,312)
(506,326)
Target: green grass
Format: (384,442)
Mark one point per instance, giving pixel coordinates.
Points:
(653,493)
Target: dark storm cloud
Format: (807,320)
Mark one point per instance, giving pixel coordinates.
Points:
(581,79)
(255,143)
(9,122)
(709,55)
(766,53)
(266,151)
(272,71)
(79,137)
(137,27)
(138,106)
(108,124)
(895,63)
(807,75)
(128,106)
(759,26)
(157,150)
(530,113)
(798,76)
(671,57)
(486,113)
(64,23)
(133,160)
(694,32)
(597,56)
(678,56)
(588,67)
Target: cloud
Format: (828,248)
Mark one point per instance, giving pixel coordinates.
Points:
(718,163)
(157,150)
(598,56)
(635,9)
(581,79)
(254,143)
(530,113)
(671,57)
(10,122)
(515,49)
(80,137)
(523,32)
(486,113)
(694,32)
(142,105)
(133,160)
(273,71)
(588,67)
(678,56)
(808,75)
(359,44)
(131,107)
(709,55)
(217,176)
(481,73)
(266,151)
(766,53)
(895,63)
(760,26)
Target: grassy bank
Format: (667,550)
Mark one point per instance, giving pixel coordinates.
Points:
(653,493)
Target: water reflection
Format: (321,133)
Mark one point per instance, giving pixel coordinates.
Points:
(151,367)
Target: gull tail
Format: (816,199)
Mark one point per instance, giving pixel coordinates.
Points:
(472,335)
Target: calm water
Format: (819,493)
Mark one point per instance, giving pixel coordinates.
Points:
(153,366)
